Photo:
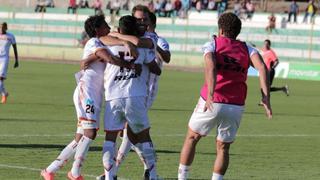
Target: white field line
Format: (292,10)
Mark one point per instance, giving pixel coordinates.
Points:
(160,135)
(38,170)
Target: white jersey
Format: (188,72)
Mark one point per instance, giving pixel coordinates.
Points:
(121,82)
(93,75)
(6,40)
(153,79)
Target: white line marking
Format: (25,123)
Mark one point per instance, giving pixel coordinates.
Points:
(162,135)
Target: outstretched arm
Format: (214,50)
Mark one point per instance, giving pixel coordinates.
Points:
(210,73)
(257,62)
(163,55)
(114,41)
(16,63)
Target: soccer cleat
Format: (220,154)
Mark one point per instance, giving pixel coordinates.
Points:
(4,98)
(70,177)
(286,90)
(146,174)
(46,175)
(102,177)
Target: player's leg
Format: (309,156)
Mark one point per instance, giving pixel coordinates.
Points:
(138,132)
(187,154)
(113,123)
(3,74)
(200,124)
(63,157)
(285,88)
(228,123)
(123,151)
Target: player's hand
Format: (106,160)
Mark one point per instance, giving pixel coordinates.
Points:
(267,106)
(209,105)
(133,52)
(137,69)
(16,64)
(84,65)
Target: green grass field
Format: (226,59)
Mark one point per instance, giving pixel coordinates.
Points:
(39,120)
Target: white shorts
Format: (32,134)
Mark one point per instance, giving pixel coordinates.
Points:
(132,110)
(87,102)
(225,117)
(4,62)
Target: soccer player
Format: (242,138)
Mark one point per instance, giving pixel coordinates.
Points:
(87,99)
(223,95)
(162,55)
(6,40)
(125,94)
(271,60)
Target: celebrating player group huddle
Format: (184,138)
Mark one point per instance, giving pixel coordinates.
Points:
(126,66)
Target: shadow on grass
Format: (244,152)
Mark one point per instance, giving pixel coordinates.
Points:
(93,148)
(284,114)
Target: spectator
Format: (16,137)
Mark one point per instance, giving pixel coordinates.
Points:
(83,4)
(157,7)
(211,5)
(151,6)
(73,6)
(115,7)
(177,7)
(97,5)
(198,5)
(204,4)
(50,3)
(237,8)
(272,23)
(249,9)
(310,10)
(41,6)
(283,23)
(293,10)
(185,8)
(168,9)
(221,7)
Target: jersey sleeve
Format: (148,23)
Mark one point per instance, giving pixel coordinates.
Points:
(251,50)
(208,47)
(92,46)
(163,44)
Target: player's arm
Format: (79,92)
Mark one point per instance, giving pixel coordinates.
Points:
(257,63)
(140,42)
(114,41)
(154,68)
(15,50)
(210,73)
(107,57)
(163,55)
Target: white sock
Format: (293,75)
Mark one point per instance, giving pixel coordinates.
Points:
(123,151)
(183,172)
(2,90)
(79,157)
(139,152)
(63,157)
(108,159)
(216,176)
(149,156)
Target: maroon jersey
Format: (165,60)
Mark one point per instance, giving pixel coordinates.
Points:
(232,63)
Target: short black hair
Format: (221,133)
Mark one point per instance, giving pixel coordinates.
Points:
(268,41)
(92,23)
(140,7)
(128,25)
(230,24)
(153,18)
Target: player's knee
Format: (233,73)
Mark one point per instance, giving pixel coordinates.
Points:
(194,137)
(90,133)
(222,147)
(111,136)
